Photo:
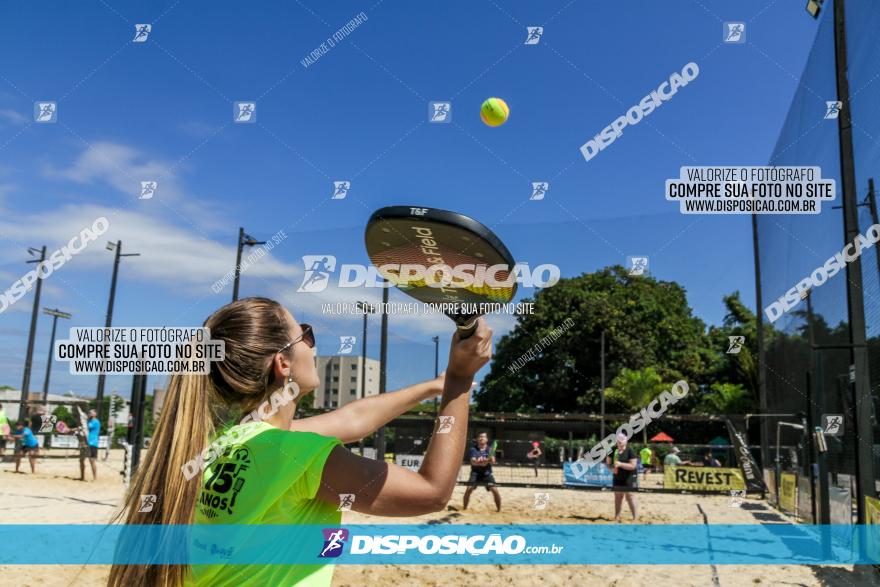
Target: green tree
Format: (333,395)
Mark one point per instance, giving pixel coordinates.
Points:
(725,398)
(647,323)
(64,415)
(636,388)
(740,368)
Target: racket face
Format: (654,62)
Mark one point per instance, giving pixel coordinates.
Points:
(478,267)
(5,429)
(61,428)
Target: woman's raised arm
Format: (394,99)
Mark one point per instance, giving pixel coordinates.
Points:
(385,489)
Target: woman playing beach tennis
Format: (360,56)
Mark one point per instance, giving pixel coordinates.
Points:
(274,470)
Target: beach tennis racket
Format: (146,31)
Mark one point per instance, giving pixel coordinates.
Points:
(5,430)
(61,428)
(399,236)
(493,448)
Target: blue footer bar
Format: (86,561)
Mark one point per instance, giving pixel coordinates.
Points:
(690,544)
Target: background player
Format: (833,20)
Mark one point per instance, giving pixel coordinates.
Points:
(481,470)
(623,463)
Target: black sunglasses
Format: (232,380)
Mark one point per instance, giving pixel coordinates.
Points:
(307,336)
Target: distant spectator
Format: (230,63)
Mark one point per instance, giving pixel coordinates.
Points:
(535,454)
(29,446)
(90,450)
(645,456)
(673,459)
(710,461)
(5,431)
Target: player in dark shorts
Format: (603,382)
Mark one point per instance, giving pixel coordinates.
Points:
(623,463)
(481,470)
(28,446)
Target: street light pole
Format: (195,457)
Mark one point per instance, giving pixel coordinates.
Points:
(243,239)
(602,384)
(117,248)
(366,308)
(383,363)
(29,357)
(56,314)
(436,340)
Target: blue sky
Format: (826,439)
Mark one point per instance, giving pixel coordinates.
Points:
(162,110)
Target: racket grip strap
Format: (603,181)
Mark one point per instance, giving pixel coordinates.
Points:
(467,329)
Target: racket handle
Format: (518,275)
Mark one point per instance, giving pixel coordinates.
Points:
(466,330)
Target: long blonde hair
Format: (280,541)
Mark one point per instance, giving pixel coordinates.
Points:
(253,330)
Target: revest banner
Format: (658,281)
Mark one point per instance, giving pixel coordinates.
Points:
(703,478)
(788,492)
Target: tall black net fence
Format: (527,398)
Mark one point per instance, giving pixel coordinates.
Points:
(808,374)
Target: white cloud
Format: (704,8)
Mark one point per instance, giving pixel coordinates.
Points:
(119,166)
(169,254)
(123,168)
(13,117)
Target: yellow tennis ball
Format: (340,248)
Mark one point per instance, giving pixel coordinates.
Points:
(494,112)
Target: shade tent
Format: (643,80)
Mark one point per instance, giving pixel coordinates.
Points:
(661,437)
(720,441)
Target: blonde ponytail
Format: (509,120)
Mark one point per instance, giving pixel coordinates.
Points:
(252,329)
(183,432)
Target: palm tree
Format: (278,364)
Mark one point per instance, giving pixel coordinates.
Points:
(636,388)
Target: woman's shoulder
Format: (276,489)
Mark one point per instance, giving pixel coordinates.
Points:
(261,432)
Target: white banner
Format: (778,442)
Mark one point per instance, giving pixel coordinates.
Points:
(411,462)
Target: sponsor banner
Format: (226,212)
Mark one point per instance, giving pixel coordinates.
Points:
(748,464)
(369,452)
(720,479)
(872,519)
(411,462)
(527,544)
(64,441)
(840,501)
(788,492)
(872,510)
(584,475)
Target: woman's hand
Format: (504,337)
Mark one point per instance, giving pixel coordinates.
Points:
(468,356)
(434,387)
